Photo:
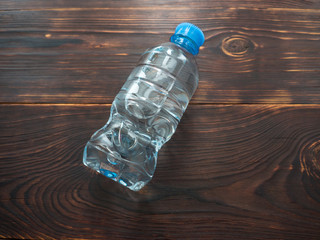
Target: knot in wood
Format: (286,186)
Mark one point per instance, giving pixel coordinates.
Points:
(310,160)
(236,46)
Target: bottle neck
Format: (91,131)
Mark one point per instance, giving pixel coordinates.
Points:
(185,42)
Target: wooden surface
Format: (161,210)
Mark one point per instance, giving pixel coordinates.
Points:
(244,162)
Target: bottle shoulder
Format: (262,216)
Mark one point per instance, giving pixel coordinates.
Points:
(173,50)
(180,57)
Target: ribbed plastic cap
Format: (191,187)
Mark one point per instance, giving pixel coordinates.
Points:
(192,32)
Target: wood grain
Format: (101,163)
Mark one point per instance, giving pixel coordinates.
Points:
(82,52)
(230,172)
(244,162)
(159,4)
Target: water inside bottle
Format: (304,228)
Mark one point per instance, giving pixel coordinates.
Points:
(144,115)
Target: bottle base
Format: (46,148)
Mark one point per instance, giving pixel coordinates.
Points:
(120,170)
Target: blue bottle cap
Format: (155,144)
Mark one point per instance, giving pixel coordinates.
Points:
(188,36)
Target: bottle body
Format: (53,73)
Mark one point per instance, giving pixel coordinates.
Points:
(144,115)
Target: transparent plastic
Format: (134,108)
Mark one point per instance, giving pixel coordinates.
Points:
(144,115)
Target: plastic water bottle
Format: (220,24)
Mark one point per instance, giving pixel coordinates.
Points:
(145,113)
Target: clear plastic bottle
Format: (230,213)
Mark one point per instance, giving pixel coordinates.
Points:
(145,113)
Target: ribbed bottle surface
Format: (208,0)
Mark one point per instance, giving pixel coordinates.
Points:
(144,115)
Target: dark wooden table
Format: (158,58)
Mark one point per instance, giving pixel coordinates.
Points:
(244,162)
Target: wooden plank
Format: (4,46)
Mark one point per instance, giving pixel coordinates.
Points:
(54,54)
(159,4)
(230,172)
